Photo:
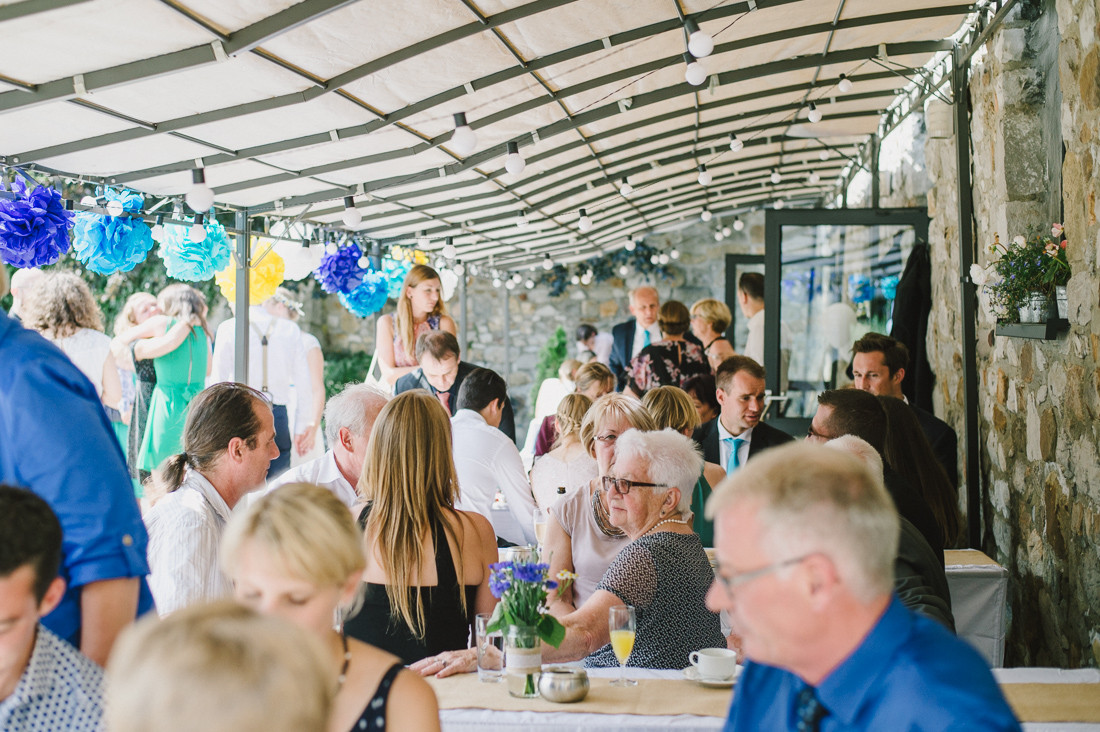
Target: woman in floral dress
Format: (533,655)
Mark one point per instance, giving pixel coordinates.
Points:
(670,361)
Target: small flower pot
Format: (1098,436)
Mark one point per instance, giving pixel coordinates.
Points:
(1035,310)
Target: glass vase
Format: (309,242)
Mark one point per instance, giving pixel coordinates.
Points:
(522,661)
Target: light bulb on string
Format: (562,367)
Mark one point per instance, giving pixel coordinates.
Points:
(547,262)
(89,201)
(449,250)
(197,232)
(736,145)
(704,175)
(422,240)
(624,270)
(706,215)
(630,245)
(351,216)
(513,161)
(332,247)
(726,231)
(779,203)
(586,278)
(663,259)
(626,189)
(510,284)
(496,282)
(521,220)
(200,198)
(719,236)
(775,176)
(517,278)
(823,155)
(844,85)
(583,222)
(364,262)
(157,232)
(695,73)
(575,280)
(814,178)
(738,224)
(529,284)
(114,208)
(814,115)
(459,269)
(464,139)
(700,44)
(674,254)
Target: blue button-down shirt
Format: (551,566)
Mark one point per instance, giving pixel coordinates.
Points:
(908,674)
(55,440)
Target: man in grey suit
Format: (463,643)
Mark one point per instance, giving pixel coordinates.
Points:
(737,433)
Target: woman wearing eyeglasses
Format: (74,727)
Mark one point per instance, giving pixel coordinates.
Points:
(581,538)
(663,572)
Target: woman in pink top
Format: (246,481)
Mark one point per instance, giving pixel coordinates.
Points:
(581,538)
(420,308)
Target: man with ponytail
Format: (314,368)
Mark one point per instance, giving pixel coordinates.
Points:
(228,444)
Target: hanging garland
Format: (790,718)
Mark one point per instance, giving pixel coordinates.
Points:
(34,227)
(195,261)
(109,244)
(606,266)
(263,278)
(369,297)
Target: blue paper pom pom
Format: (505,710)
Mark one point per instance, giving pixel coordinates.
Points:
(396,271)
(34,227)
(195,261)
(109,244)
(368,297)
(340,272)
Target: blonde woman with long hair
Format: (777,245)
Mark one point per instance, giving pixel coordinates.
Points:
(427,563)
(420,308)
(63,310)
(296,553)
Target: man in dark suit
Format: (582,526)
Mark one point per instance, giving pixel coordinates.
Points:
(737,433)
(441,373)
(630,337)
(878,366)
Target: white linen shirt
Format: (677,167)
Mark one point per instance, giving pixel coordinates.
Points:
(59,689)
(288,380)
(185,532)
(485,461)
(323,472)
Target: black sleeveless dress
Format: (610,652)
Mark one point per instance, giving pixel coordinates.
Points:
(447,628)
(373,717)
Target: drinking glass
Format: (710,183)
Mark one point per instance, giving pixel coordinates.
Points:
(622,624)
(490,650)
(539,521)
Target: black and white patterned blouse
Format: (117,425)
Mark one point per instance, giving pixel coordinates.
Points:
(665,576)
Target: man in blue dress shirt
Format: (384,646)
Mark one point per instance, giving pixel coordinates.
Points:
(56,440)
(806,540)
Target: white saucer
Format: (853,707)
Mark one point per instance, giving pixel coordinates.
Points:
(692,674)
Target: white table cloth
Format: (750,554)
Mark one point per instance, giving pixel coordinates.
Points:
(979,592)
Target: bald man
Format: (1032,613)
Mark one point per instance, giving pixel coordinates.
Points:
(631,336)
(23,284)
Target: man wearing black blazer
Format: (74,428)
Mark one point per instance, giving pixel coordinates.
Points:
(740,392)
(644,305)
(878,366)
(441,373)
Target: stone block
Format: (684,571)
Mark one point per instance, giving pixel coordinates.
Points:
(1048,435)
(1032,449)
(1089,80)
(1025,164)
(1023,86)
(1081,297)
(1056,378)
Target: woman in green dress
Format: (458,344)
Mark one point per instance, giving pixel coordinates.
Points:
(181,358)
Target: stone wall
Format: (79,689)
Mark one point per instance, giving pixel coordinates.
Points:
(534,315)
(1035,88)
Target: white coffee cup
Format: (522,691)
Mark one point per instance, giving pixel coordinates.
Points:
(714,663)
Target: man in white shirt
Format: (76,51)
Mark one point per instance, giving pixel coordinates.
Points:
(630,337)
(349,418)
(486,461)
(277,366)
(737,433)
(228,443)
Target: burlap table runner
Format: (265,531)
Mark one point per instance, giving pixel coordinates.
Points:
(652,697)
(966,557)
(1054,702)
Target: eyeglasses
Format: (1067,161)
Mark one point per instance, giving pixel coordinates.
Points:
(622,486)
(732,580)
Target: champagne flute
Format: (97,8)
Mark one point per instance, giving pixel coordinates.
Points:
(539,519)
(622,624)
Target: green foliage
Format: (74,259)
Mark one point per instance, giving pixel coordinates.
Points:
(344,368)
(551,357)
(1037,263)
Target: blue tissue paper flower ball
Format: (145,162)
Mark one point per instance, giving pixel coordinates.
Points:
(34,227)
(109,244)
(195,261)
(339,272)
(369,297)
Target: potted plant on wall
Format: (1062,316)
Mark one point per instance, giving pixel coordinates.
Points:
(1027,274)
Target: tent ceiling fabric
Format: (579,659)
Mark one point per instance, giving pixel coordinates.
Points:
(290,107)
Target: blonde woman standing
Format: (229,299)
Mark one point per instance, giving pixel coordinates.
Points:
(420,308)
(427,563)
(568,465)
(63,310)
(709,320)
(297,554)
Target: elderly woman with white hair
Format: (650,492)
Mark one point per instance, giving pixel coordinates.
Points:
(663,572)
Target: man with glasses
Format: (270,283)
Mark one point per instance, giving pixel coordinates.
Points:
(805,540)
(738,433)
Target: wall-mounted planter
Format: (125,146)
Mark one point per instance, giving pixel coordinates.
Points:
(1047,331)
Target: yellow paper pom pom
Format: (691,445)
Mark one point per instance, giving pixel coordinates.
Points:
(420,257)
(264,278)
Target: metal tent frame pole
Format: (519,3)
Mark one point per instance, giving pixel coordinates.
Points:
(244,268)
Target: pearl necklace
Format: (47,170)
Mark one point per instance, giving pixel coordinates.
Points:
(667,521)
